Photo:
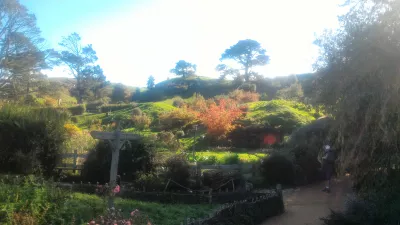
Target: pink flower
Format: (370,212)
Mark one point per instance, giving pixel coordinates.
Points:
(128,223)
(134,211)
(92,222)
(116,189)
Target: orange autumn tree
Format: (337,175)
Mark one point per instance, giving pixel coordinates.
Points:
(218,118)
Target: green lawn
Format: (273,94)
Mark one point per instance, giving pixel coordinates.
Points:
(48,205)
(226,158)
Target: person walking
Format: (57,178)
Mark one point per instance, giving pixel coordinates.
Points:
(328,162)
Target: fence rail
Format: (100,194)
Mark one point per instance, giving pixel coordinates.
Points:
(195,168)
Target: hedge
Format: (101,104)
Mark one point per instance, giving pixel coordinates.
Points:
(114,107)
(77,110)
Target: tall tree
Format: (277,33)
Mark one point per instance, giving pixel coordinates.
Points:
(226,70)
(150,82)
(119,93)
(81,61)
(184,69)
(359,83)
(248,53)
(21,51)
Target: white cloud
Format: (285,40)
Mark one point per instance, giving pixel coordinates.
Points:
(149,40)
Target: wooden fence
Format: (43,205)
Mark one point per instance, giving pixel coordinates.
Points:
(249,169)
(75,165)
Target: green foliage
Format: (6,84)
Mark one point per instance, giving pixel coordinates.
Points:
(137,112)
(184,69)
(288,115)
(141,122)
(178,169)
(247,53)
(167,140)
(149,181)
(119,93)
(248,87)
(177,119)
(178,102)
(46,204)
(277,169)
(150,82)
(136,156)
(293,92)
(77,110)
(33,141)
(225,158)
(114,107)
(264,97)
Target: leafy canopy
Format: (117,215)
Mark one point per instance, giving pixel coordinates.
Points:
(184,69)
(248,53)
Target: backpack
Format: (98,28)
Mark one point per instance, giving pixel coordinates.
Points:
(330,156)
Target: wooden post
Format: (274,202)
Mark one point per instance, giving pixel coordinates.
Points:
(116,139)
(75,160)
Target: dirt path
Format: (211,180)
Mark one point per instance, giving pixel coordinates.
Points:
(306,205)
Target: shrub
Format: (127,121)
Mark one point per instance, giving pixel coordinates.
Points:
(116,217)
(94,106)
(141,122)
(244,96)
(168,140)
(218,179)
(219,118)
(77,110)
(136,156)
(137,112)
(277,169)
(149,181)
(230,159)
(51,102)
(177,119)
(72,129)
(178,102)
(264,97)
(248,87)
(33,141)
(178,169)
(114,107)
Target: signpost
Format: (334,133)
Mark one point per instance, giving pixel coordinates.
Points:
(117,140)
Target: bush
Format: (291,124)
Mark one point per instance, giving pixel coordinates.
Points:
(264,97)
(94,106)
(166,139)
(178,102)
(141,122)
(248,87)
(277,169)
(77,110)
(114,107)
(149,181)
(51,102)
(178,169)
(244,96)
(177,119)
(137,112)
(137,156)
(72,129)
(33,139)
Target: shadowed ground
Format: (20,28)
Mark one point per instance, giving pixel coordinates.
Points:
(306,205)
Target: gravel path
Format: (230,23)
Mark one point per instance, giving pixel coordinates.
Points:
(306,205)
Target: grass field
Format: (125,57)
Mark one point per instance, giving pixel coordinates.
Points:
(44,204)
(226,158)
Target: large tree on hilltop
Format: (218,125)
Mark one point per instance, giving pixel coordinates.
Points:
(248,53)
(184,69)
(81,61)
(22,53)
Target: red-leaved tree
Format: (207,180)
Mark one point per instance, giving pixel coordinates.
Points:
(218,117)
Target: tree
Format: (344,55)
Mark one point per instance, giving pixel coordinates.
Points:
(119,93)
(21,51)
(293,92)
(248,53)
(184,69)
(218,118)
(81,61)
(225,71)
(150,82)
(358,82)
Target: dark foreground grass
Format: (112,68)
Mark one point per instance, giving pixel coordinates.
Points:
(32,203)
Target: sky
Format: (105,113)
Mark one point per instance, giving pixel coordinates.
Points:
(137,38)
